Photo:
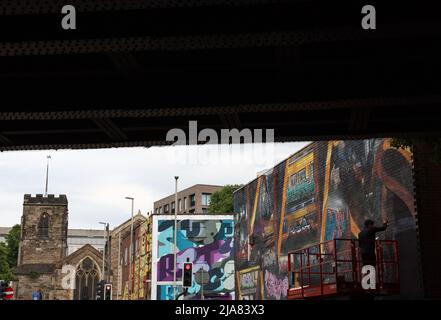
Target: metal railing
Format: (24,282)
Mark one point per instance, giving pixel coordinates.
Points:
(335,267)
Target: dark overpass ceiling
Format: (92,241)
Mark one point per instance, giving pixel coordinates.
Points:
(135,69)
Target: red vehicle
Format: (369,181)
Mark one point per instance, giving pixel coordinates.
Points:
(333,268)
(6,292)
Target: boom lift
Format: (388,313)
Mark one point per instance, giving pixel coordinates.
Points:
(333,268)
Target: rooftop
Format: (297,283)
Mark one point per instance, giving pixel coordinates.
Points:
(193,186)
(90,233)
(4,230)
(126,223)
(48,199)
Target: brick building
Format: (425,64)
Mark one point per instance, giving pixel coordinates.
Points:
(136,283)
(195,199)
(117,254)
(139,287)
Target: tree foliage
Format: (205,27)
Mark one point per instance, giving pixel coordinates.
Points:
(13,241)
(9,253)
(5,271)
(222,200)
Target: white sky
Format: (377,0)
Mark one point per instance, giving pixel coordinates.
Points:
(96,181)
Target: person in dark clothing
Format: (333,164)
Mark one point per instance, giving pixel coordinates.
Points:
(367,241)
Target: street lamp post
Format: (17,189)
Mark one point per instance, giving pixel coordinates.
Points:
(108,251)
(104,249)
(131,245)
(118,293)
(175,236)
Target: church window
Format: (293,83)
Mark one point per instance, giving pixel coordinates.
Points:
(43,226)
(86,280)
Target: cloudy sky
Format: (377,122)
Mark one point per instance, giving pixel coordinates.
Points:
(96,181)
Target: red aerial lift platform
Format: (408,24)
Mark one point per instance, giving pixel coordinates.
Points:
(333,268)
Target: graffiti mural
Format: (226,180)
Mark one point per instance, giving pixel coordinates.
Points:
(249,284)
(325,191)
(141,264)
(275,287)
(205,241)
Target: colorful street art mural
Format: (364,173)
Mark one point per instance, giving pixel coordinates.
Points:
(324,191)
(141,266)
(250,284)
(206,241)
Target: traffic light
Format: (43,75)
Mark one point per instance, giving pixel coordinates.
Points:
(108,292)
(187,279)
(100,290)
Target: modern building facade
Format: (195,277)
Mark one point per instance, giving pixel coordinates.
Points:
(195,199)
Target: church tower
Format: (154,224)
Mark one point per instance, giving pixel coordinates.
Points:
(43,245)
(43,229)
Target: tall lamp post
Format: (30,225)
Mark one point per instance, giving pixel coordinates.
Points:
(175,236)
(131,245)
(118,293)
(103,277)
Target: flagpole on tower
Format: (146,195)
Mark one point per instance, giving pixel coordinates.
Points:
(47,174)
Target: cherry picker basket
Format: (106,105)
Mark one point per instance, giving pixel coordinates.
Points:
(334,268)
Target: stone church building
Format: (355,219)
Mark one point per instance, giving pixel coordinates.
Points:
(43,263)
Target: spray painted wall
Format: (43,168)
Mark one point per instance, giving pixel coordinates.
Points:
(141,263)
(324,191)
(206,241)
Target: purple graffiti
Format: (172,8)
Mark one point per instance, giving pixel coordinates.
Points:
(202,257)
(275,287)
